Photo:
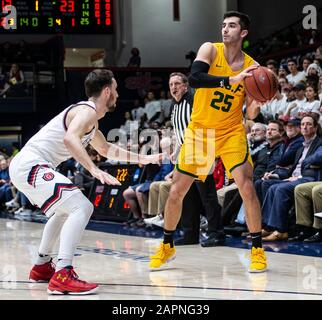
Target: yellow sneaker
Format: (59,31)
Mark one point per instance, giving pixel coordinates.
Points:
(163,255)
(257,260)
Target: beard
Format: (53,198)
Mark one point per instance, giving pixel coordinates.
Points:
(111,108)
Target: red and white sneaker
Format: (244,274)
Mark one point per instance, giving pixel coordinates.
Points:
(42,272)
(65,281)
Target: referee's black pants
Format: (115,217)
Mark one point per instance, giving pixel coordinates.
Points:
(201,198)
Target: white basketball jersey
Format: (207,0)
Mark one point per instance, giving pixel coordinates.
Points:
(48,141)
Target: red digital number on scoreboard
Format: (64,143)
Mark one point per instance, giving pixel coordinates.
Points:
(108,12)
(67,6)
(5,3)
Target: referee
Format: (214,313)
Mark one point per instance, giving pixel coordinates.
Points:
(200,193)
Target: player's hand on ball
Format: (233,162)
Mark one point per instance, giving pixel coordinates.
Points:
(241,76)
(104,177)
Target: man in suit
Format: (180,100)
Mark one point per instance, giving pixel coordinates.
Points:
(279,197)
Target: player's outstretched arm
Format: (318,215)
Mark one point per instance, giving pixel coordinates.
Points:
(83,121)
(114,152)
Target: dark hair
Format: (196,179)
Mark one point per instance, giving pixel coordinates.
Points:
(244,20)
(279,123)
(292,60)
(96,81)
(179,74)
(315,117)
(135,51)
(272,62)
(279,88)
(306,58)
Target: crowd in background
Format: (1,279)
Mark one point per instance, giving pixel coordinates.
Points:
(284,140)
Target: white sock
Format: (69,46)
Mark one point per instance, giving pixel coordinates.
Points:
(42,259)
(63,263)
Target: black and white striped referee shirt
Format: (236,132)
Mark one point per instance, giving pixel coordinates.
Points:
(180,117)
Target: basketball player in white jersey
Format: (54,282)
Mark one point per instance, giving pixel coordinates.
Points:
(32,171)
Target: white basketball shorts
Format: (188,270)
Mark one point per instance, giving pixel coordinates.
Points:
(38,180)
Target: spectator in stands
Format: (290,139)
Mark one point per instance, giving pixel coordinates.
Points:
(24,204)
(282,82)
(306,61)
(248,124)
(137,195)
(257,143)
(280,194)
(130,195)
(318,56)
(144,124)
(295,76)
(307,203)
(135,59)
(292,142)
(312,103)
(280,159)
(158,195)
(152,107)
(313,74)
(276,107)
(166,104)
(320,88)
(5,188)
(282,73)
(3,153)
(314,37)
(130,125)
(142,192)
(272,65)
(288,91)
(292,109)
(266,159)
(16,81)
(137,110)
(314,69)
(257,139)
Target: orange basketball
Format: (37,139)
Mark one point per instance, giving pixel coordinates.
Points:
(262,86)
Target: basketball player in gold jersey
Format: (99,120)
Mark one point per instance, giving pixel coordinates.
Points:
(216,130)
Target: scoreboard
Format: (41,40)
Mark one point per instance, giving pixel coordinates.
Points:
(108,200)
(57,16)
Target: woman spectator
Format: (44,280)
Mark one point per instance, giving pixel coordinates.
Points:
(16,81)
(311,104)
(305,63)
(313,74)
(320,88)
(130,124)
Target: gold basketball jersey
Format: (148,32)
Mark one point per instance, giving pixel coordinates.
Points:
(220,108)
